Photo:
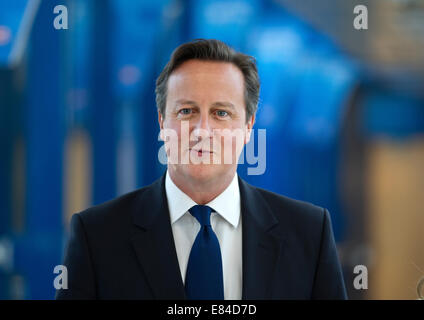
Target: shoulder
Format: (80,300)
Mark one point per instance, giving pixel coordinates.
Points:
(299,209)
(304,225)
(296,216)
(112,215)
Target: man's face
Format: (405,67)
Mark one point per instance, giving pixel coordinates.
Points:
(205,107)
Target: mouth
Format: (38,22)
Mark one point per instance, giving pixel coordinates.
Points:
(201,152)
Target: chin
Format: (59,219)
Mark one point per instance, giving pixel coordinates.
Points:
(201,171)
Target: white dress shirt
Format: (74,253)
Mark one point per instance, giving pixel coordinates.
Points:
(225,222)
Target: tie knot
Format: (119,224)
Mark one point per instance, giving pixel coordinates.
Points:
(202,214)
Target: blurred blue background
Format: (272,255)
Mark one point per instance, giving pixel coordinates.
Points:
(78,121)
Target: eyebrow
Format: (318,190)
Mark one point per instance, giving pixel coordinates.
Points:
(228,105)
(184,101)
(215,104)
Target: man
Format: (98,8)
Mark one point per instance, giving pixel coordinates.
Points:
(200,231)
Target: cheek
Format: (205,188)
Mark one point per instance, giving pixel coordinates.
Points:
(232,142)
(171,133)
(174,125)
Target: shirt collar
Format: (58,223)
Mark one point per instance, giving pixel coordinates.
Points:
(227,204)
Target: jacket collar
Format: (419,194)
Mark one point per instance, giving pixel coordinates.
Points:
(154,245)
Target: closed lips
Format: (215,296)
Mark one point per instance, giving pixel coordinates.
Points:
(201,150)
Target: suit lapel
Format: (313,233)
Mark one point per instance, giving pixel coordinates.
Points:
(154,245)
(262,244)
(153,242)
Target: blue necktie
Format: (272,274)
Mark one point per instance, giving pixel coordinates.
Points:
(204,280)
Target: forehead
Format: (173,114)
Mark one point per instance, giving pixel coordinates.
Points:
(195,66)
(199,78)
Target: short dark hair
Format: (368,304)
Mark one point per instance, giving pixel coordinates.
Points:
(211,50)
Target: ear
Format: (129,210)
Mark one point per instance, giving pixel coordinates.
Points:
(249,127)
(160,120)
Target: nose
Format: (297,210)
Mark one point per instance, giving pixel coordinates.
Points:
(203,123)
(202,129)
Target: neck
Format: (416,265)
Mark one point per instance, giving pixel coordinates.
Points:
(202,192)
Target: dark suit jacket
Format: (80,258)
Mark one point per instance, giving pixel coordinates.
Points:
(124,249)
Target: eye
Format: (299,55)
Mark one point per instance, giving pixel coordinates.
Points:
(185,111)
(222,113)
